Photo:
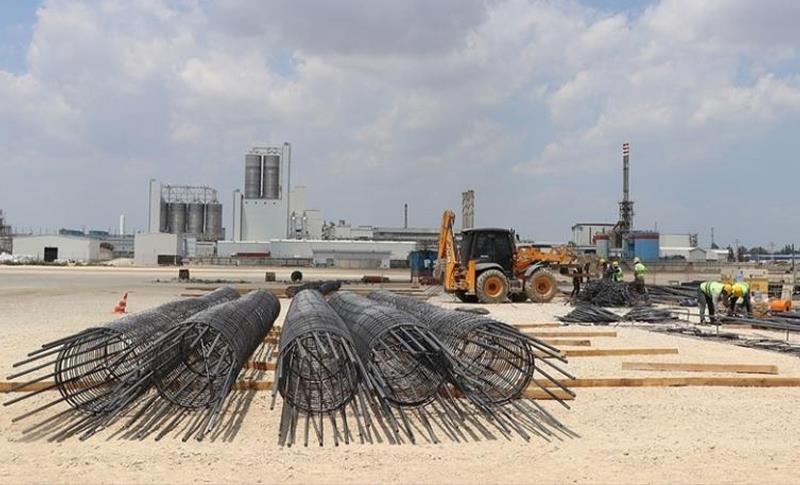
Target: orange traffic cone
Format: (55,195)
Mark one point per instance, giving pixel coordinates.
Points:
(122,305)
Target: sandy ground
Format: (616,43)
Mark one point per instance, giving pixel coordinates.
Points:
(627,435)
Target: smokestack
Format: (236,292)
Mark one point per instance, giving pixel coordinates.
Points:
(122,224)
(626,150)
(405,216)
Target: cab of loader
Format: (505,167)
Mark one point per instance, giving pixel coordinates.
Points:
(488,247)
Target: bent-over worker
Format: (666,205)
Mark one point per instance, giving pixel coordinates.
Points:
(741,290)
(709,293)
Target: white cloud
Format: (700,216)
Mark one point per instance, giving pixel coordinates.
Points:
(494,92)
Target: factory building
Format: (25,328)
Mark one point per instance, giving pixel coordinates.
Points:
(584,233)
(261,211)
(345,254)
(186,211)
(49,248)
(156,248)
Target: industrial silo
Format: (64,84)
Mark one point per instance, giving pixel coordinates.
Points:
(252,176)
(177,217)
(272,181)
(213,221)
(163,217)
(195,218)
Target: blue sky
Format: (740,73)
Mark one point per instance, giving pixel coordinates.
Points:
(17,18)
(526,101)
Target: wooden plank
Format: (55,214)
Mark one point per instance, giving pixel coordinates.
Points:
(618,352)
(567,342)
(259,365)
(572,334)
(694,367)
(708,381)
(537,325)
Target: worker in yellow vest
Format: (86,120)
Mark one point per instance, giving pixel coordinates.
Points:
(741,291)
(616,272)
(639,270)
(709,293)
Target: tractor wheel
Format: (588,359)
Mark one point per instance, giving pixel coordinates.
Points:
(491,286)
(463,296)
(541,286)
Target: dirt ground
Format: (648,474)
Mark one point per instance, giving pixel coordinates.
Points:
(627,435)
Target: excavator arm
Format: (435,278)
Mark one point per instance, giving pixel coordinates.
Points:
(447,263)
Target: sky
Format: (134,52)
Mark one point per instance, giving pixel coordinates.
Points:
(386,102)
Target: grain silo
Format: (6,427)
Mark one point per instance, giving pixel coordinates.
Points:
(177,217)
(213,230)
(195,217)
(252,176)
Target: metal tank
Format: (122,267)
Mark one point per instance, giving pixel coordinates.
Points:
(177,217)
(272,177)
(213,221)
(195,218)
(252,176)
(163,217)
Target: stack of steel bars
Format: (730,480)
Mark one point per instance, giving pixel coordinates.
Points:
(608,293)
(671,294)
(590,314)
(649,315)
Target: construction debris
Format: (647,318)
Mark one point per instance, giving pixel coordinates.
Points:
(649,315)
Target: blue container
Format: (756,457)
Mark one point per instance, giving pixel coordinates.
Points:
(642,245)
(421,262)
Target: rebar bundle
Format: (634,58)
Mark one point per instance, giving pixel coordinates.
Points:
(197,362)
(608,293)
(318,372)
(671,294)
(590,314)
(649,315)
(102,370)
(407,363)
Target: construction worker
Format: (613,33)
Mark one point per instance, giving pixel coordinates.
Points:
(639,270)
(604,270)
(616,273)
(741,290)
(709,293)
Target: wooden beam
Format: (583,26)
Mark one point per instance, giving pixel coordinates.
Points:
(572,334)
(618,352)
(567,342)
(693,367)
(738,381)
(537,325)
(259,365)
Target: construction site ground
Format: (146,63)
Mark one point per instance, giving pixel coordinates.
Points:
(709,434)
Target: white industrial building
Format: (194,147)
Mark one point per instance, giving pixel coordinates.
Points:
(583,233)
(50,248)
(156,248)
(349,254)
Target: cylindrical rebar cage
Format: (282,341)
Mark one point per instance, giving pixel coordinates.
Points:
(317,368)
(195,365)
(99,364)
(396,347)
(492,353)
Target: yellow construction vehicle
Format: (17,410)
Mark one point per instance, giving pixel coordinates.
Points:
(490,268)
